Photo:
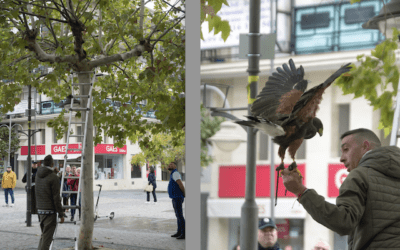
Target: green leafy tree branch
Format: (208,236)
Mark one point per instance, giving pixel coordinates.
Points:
(208,13)
(376,72)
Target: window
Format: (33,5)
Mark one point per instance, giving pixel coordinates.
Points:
(136,171)
(79,132)
(313,21)
(344,122)
(43,134)
(108,167)
(264,146)
(359,14)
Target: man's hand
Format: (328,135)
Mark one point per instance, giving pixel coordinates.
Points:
(62,219)
(292,181)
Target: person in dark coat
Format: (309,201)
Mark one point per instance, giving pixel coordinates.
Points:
(152,180)
(267,235)
(48,201)
(176,192)
(367,208)
(33,195)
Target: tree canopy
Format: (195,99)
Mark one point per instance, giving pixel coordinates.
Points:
(208,13)
(140,51)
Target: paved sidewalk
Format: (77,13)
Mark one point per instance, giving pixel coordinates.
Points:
(136,225)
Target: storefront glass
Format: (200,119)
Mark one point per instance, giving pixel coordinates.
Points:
(136,171)
(108,167)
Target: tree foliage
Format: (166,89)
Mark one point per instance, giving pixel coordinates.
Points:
(208,13)
(141,61)
(161,149)
(378,71)
(4,142)
(208,127)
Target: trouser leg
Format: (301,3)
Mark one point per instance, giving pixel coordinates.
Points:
(12,195)
(177,204)
(6,194)
(154,195)
(48,225)
(148,196)
(73,203)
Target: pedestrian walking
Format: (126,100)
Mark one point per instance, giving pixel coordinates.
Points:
(74,184)
(8,184)
(152,180)
(367,206)
(33,195)
(66,197)
(176,192)
(48,201)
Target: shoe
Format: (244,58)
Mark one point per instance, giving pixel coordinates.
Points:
(72,218)
(5,205)
(176,235)
(12,205)
(147,202)
(181,237)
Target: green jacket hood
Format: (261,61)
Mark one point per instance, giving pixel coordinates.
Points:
(44,171)
(384,159)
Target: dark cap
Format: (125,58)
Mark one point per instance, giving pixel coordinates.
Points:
(9,167)
(35,162)
(266,222)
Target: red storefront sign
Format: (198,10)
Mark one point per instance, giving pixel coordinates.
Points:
(283,230)
(60,148)
(232,181)
(99,149)
(109,149)
(41,150)
(336,175)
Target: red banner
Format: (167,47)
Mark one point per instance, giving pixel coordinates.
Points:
(41,150)
(283,230)
(59,149)
(232,181)
(99,149)
(109,149)
(336,175)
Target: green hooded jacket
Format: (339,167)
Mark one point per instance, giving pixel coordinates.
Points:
(368,206)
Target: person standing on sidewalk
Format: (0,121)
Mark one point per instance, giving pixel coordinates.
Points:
(176,192)
(8,184)
(33,195)
(73,183)
(48,201)
(152,180)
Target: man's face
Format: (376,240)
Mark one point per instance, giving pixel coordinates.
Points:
(351,152)
(267,237)
(73,169)
(78,172)
(68,169)
(171,166)
(8,170)
(34,165)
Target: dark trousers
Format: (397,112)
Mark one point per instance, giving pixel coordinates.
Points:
(177,204)
(154,195)
(48,223)
(73,203)
(11,192)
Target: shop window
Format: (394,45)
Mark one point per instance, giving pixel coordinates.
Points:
(43,134)
(165,175)
(109,167)
(136,171)
(344,122)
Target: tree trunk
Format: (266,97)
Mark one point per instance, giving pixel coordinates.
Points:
(87,220)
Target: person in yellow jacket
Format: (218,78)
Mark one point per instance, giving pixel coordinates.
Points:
(8,184)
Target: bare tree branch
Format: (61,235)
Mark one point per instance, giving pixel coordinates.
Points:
(155,28)
(33,14)
(19,59)
(137,51)
(85,7)
(166,32)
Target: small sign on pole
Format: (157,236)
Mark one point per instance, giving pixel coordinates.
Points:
(267,46)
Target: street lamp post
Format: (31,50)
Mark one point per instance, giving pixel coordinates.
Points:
(388,18)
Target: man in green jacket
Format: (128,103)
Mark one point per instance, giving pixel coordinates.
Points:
(368,205)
